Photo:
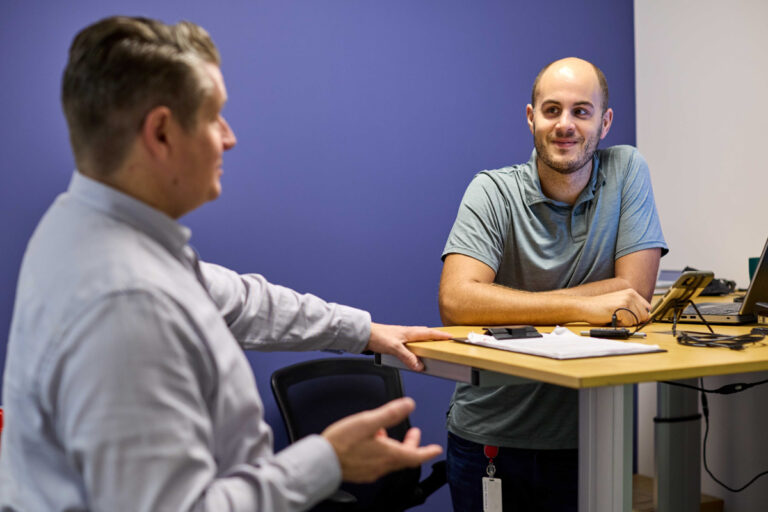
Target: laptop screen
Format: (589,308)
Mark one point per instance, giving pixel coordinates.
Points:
(758,287)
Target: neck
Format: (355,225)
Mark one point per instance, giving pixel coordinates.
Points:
(563,187)
(138,182)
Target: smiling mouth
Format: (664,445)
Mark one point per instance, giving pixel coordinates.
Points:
(565,144)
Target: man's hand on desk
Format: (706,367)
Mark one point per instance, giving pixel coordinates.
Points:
(391,339)
(599,309)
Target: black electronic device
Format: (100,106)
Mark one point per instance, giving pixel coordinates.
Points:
(512,332)
(619,333)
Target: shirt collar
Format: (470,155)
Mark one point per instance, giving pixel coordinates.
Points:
(156,224)
(533,193)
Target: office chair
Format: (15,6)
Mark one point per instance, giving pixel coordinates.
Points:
(313,394)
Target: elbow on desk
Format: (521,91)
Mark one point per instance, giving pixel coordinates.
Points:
(453,311)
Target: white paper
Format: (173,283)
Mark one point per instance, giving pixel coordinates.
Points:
(563,344)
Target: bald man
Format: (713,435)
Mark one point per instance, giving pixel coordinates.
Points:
(571,235)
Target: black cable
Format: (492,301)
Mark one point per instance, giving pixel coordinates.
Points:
(705,339)
(708,339)
(711,338)
(704,320)
(705,410)
(614,320)
(727,389)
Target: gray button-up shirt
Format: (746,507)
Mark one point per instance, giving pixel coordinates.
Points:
(126,387)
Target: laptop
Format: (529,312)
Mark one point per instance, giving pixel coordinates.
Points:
(734,312)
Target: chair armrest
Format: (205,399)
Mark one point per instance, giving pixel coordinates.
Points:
(436,479)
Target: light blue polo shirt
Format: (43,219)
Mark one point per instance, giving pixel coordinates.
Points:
(535,243)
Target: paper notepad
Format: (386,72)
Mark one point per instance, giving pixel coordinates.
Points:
(563,344)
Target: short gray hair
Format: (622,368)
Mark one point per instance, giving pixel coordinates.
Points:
(119,69)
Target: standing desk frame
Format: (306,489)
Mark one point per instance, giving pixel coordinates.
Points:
(606,405)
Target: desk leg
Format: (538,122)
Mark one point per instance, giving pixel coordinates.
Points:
(678,448)
(605,449)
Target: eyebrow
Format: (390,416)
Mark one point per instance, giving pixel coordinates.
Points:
(578,103)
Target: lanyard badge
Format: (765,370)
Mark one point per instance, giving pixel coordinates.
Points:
(491,485)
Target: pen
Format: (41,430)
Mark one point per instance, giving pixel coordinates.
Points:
(617,333)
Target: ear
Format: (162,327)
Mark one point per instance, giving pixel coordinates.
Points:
(156,132)
(606,123)
(529,116)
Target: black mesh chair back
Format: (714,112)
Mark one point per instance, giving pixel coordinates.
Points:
(313,394)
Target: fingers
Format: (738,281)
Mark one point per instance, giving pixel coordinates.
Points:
(391,339)
(640,307)
(416,334)
(415,456)
(625,318)
(397,455)
(364,450)
(407,357)
(412,437)
(388,415)
(428,452)
(386,456)
(620,303)
(426,333)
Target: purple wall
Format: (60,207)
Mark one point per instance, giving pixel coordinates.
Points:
(359,122)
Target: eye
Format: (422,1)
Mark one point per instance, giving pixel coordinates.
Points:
(551,110)
(582,112)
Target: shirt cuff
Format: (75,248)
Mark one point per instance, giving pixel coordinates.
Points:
(354,330)
(313,462)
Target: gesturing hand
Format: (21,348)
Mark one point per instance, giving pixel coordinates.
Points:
(365,451)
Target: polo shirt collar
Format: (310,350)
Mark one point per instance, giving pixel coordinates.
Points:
(532,183)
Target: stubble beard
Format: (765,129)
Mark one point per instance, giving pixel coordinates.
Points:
(565,167)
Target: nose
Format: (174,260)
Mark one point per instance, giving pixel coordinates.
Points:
(565,123)
(228,138)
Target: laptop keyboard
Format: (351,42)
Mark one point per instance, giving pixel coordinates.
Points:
(714,308)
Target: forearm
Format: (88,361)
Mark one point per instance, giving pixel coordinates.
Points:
(475,303)
(128,474)
(265,316)
(596,287)
(292,480)
(468,296)
(636,271)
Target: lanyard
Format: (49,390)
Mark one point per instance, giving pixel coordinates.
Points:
(491,452)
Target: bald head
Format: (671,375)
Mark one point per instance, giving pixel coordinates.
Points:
(572,68)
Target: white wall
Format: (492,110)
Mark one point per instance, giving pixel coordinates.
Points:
(702,124)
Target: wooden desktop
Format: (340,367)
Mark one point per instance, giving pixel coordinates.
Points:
(606,404)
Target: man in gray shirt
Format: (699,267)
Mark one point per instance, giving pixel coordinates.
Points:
(571,235)
(126,387)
